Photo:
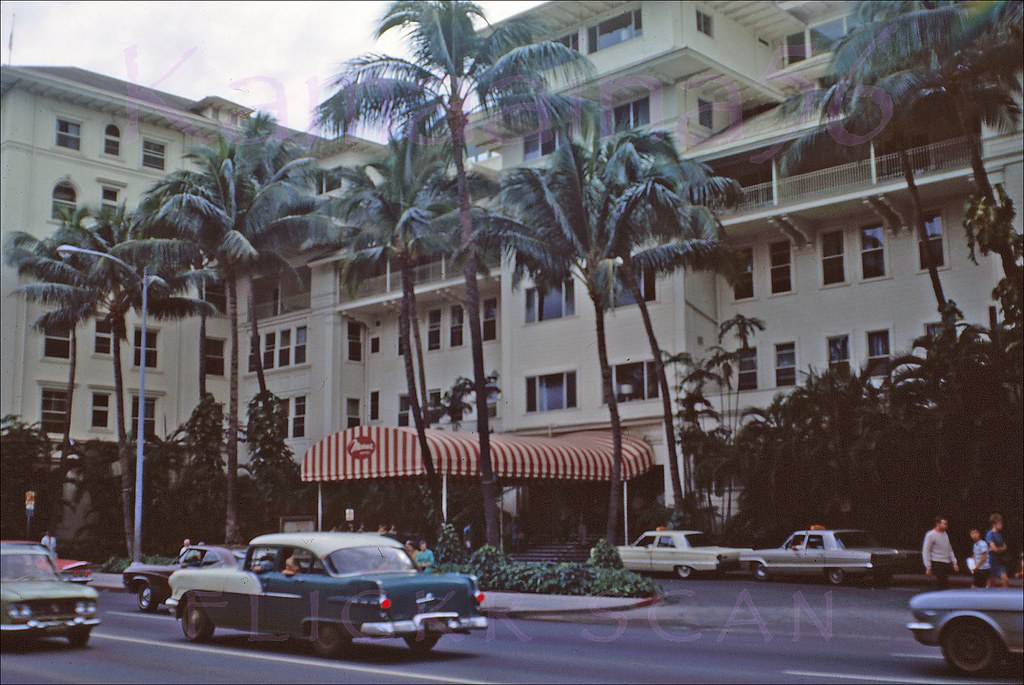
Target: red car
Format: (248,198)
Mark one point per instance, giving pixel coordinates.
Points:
(71,569)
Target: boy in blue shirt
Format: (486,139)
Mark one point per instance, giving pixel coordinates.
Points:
(996,549)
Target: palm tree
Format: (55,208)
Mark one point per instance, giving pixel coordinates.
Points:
(241,215)
(457,73)
(393,206)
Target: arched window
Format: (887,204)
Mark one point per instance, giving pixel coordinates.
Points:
(112,140)
(64,198)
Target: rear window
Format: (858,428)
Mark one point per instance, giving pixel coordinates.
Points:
(371,559)
(699,540)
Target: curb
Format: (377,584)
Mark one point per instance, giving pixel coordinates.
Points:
(503,612)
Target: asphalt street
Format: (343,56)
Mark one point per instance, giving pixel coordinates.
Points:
(705,631)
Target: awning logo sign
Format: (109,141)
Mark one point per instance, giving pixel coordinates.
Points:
(362,447)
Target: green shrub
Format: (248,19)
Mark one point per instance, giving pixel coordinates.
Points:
(449,548)
(604,555)
(619,582)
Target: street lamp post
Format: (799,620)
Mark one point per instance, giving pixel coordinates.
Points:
(64,251)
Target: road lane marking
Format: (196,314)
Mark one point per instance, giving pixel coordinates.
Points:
(918,656)
(135,614)
(387,672)
(819,675)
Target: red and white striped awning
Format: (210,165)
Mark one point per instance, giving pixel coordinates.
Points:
(386,452)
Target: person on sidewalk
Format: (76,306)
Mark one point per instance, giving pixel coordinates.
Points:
(185,544)
(979,562)
(937,553)
(996,549)
(50,543)
(425,558)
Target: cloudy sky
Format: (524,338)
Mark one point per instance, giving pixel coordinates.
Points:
(274,56)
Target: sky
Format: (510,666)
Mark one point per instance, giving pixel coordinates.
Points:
(277,57)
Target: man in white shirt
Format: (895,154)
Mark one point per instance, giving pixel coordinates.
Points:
(937,553)
(50,543)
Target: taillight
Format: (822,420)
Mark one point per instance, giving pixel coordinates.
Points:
(479,598)
(385,603)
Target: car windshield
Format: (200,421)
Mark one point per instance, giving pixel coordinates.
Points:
(26,566)
(854,539)
(371,559)
(699,540)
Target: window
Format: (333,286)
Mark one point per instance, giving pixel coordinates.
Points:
(403,410)
(543,143)
(216,295)
(434,329)
(743,287)
(284,350)
(878,353)
(112,140)
(832,257)
(492,403)
(570,40)
(705,113)
(299,417)
(613,31)
(69,134)
(57,344)
(63,200)
(375,344)
(54,410)
(433,403)
(214,357)
(551,304)
(933,228)
(151,337)
(796,48)
(747,377)
(490,319)
(300,345)
(704,24)
(375,405)
(109,197)
(781,267)
(622,297)
(872,251)
(631,114)
(148,420)
(825,36)
(153,154)
(253,351)
(634,381)
(933,330)
(355,341)
(352,416)
(103,340)
(839,354)
(269,350)
(551,392)
(785,364)
(100,410)
(455,325)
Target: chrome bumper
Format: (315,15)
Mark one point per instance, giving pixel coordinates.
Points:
(51,625)
(171,602)
(925,633)
(442,622)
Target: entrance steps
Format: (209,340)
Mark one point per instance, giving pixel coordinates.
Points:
(555,552)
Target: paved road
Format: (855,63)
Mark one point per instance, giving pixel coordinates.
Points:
(717,631)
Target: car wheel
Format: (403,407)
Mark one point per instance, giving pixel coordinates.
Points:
(761,571)
(145,597)
(835,576)
(970,647)
(684,572)
(196,625)
(79,637)
(328,639)
(421,644)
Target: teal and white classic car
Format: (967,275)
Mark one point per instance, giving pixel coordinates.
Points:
(327,588)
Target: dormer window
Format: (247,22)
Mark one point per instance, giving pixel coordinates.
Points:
(112,140)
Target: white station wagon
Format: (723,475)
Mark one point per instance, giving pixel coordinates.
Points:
(683,552)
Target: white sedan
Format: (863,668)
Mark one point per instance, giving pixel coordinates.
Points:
(683,552)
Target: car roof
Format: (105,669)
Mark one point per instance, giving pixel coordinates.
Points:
(673,532)
(827,530)
(323,544)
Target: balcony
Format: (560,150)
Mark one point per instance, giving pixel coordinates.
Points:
(878,170)
(282,305)
(424,274)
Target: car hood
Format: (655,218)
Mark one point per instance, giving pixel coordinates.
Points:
(1010,599)
(15,590)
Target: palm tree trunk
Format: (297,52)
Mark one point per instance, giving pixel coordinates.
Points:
(922,234)
(414,404)
(615,493)
(123,448)
(414,324)
(202,350)
(231,534)
(254,341)
(488,486)
(65,446)
(659,370)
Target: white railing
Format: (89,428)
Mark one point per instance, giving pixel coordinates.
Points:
(283,305)
(927,159)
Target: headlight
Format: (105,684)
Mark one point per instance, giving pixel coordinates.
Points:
(85,607)
(19,611)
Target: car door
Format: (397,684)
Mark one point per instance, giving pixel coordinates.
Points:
(790,557)
(637,557)
(664,554)
(813,554)
(285,598)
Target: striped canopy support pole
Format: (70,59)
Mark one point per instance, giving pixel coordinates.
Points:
(625,511)
(444,498)
(319,506)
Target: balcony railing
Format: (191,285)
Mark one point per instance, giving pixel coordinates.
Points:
(282,305)
(431,272)
(928,159)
